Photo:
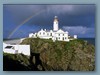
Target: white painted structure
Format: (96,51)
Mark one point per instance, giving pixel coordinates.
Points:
(16,49)
(75,36)
(55,24)
(55,34)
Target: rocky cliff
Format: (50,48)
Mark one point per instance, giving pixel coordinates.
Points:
(76,55)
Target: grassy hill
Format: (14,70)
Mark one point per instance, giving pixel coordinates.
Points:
(76,55)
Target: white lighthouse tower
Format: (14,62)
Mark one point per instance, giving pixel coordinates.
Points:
(55,23)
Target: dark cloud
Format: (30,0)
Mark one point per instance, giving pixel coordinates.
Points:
(69,15)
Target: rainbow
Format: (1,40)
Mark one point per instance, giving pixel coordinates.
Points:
(22,23)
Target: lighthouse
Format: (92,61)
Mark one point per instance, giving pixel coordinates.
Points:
(55,23)
(54,34)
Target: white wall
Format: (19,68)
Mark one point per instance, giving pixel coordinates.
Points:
(11,51)
(30,35)
(75,36)
(46,35)
(4,45)
(24,49)
(55,26)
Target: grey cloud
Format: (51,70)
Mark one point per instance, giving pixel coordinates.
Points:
(71,9)
(79,30)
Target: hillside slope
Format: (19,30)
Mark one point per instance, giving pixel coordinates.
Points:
(76,55)
(73,55)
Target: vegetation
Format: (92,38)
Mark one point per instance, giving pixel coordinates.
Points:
(76,55)
(15,62)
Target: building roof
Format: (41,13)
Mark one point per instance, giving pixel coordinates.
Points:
(8,46)
(58,31)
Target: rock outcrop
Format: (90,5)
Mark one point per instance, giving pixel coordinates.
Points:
(76,55)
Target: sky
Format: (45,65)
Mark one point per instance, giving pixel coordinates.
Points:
(20,20)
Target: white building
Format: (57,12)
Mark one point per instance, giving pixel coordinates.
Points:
(16,49)
(55,34)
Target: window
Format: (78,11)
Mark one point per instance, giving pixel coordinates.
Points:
(50,34)
(63,34)
(59,34)
(63,38)
(8,46)
(40,33)
(56,39)
(59,37)
(36,35)
(43,33)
